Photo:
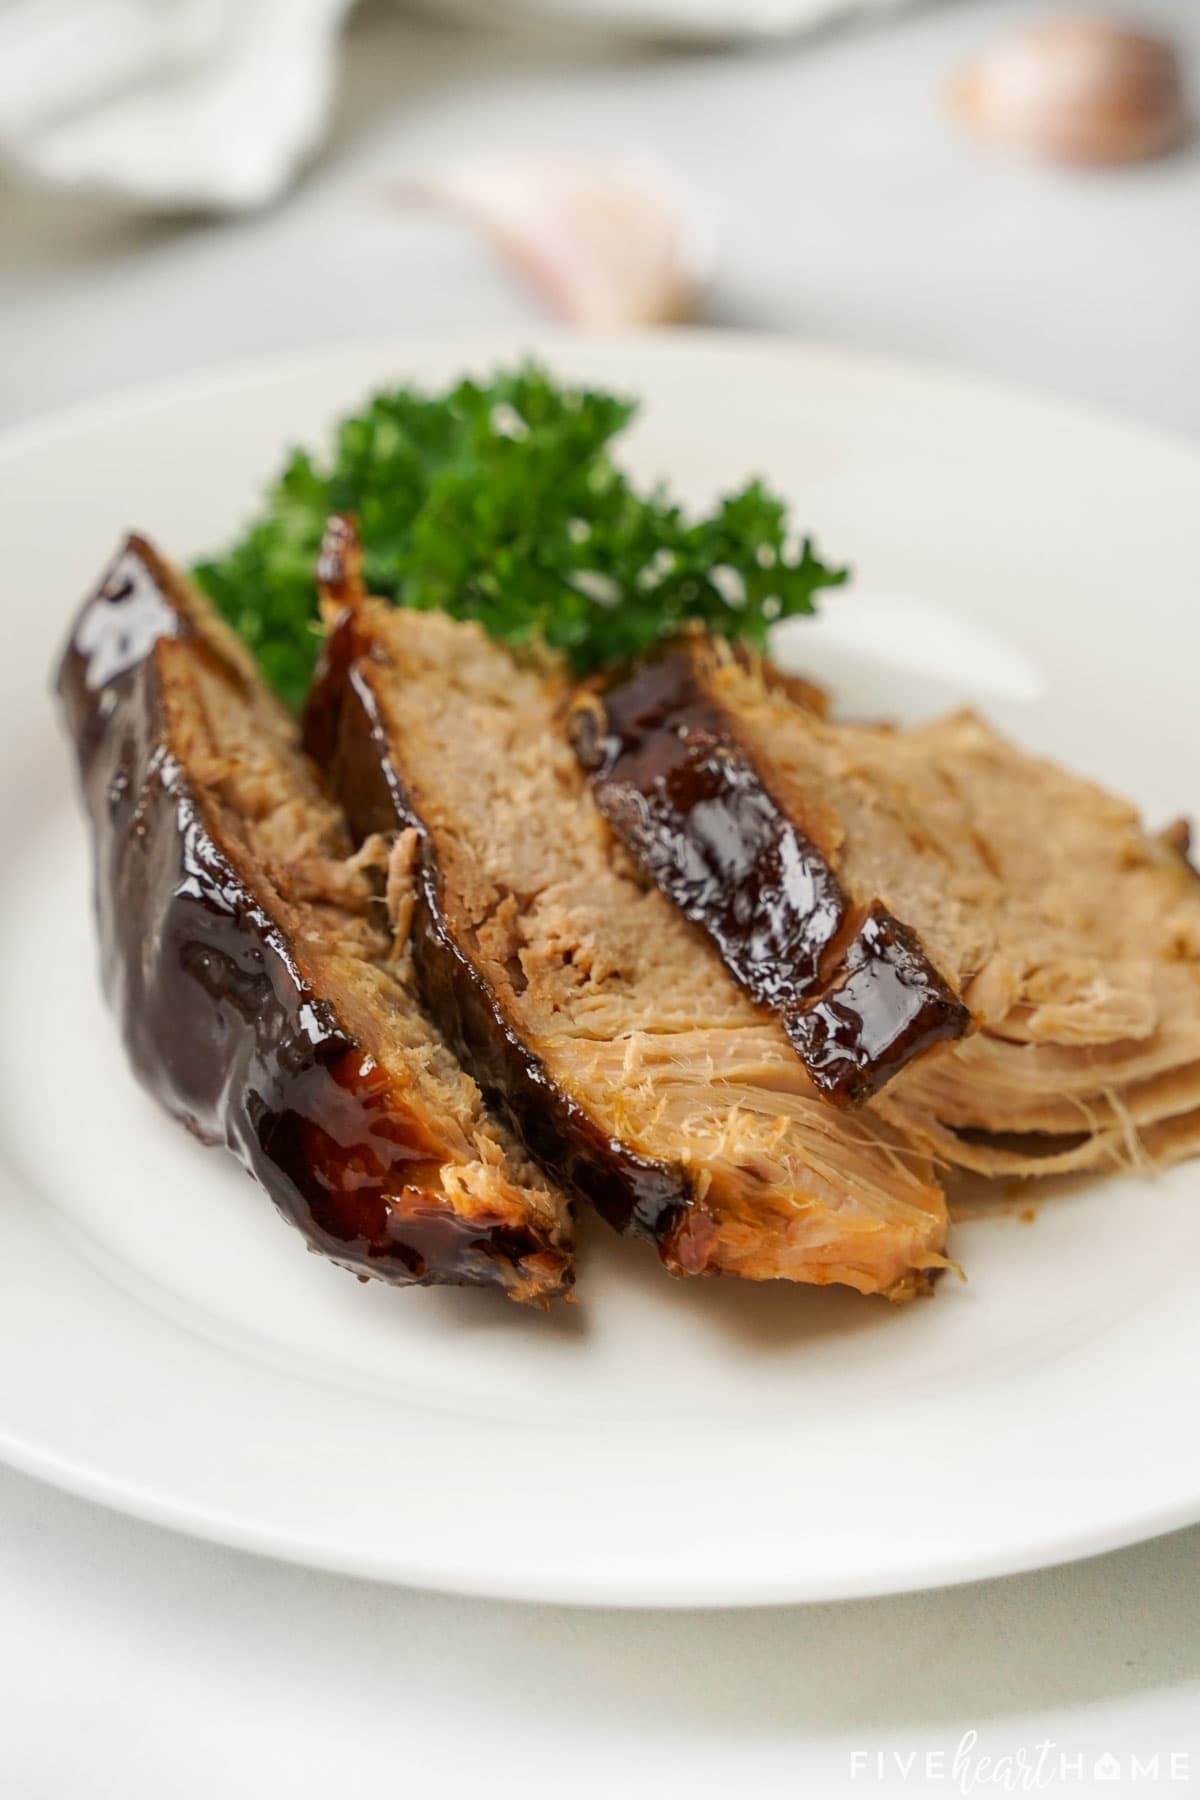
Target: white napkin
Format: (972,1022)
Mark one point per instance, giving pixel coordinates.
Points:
(216,103)
(175,103)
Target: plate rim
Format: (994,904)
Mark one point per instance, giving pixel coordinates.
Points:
(42,429)
(657,1595)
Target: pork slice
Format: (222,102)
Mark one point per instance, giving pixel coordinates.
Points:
(754,862)
(1071,932)
(583,1003)
(248,956)
(1115,1129)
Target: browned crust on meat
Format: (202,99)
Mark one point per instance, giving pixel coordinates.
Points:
(224,1016)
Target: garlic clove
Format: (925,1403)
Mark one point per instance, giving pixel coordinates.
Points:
(605,243)
(1077,88)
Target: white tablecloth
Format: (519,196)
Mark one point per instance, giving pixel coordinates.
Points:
(139,1665)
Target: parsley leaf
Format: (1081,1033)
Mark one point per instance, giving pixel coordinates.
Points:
(501,502)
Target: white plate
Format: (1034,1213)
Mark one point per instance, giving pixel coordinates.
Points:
(167,1347)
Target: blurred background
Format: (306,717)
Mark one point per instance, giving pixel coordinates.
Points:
(1007,186)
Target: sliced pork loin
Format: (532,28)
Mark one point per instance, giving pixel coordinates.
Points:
(755,867)
(248,956)
(1071,934)
(580,999)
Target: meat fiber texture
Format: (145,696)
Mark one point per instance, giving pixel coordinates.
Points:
(248,954)
(583,1003)
(1071,932)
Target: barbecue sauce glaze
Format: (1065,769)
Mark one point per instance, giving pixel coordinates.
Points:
(220,1020)
(855,990)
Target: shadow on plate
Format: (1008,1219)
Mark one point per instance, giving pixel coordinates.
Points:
(760,1315)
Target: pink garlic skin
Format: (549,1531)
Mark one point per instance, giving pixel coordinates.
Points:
(1077,88)
(604,244)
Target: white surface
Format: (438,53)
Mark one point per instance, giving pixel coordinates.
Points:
(218,103)
(135,1664)
(173,103)
(847,208)
(347,1427)
(145,1665)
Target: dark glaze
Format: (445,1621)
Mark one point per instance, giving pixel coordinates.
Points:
(695,815)
(858,996)
(347,736)
(220,1021)
(880,1011)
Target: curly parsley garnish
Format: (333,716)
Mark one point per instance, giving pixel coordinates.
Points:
(500,502)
